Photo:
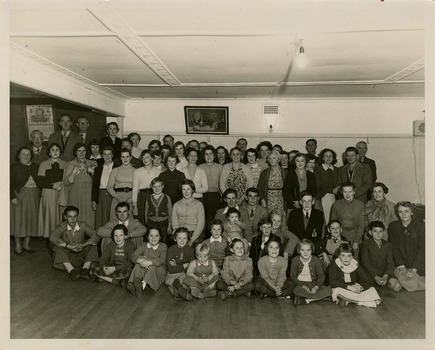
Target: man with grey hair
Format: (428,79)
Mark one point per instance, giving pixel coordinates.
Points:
(38,147)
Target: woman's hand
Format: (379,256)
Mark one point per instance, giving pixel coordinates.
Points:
(379,280)
(325,259)
(57,185)
(14,201)
(296,204)
(314,289)
(231,289)
(237,286)
(308,290)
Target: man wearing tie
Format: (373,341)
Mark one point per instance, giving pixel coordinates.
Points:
(256,212)
(306,222)
(39,149)
(66,138)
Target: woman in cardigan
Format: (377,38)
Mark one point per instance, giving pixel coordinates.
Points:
(297,181)
(189,212)
(236,175)
(327,180)
(379,208)
(250,158)
(49,178)
(77,179)
(111,139)
(24,196)
(408,239)
(271,183)
(194,173)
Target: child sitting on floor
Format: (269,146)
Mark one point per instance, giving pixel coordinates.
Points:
(308,276)
(377,257)
(217,244)
(325,248)
(202,275)
(234,228)
(150,268)
(288,239)
(272,281)
(236,273)
(115,265)
(177,260)
(349,281)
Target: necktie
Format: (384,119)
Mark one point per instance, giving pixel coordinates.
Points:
(307,216)
(252,214)
(37,151)
(83,137)
(64,138)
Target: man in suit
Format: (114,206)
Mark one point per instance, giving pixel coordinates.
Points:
(83,126)
(306,222)
(311,147)
(230,197)
(38,147)
(136,231)
(101,199)
(361,147)
(66,138)
(72,250)
(256,212)
(358,173)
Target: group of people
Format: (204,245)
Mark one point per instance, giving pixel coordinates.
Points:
(205,220)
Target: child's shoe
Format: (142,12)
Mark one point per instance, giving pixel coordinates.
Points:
(299,301)
(210,293)
(197,294)
(223,294)
(137,283)
(184,293)
(342,303)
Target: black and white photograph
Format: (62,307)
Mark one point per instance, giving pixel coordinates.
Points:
(206,174)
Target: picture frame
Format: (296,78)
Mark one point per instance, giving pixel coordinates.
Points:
(206,120)
(40,117)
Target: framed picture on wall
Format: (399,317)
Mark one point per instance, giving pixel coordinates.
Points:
(40,117)
(206,120)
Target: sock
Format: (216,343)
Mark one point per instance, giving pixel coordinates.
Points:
(86,265)
(144,284)
(68,267)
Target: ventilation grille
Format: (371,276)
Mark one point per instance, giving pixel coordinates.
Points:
(419,127)
(271,109)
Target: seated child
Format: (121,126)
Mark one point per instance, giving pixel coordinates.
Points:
(177,260)
(377,257)
(259,242)
(288,239)
(234,228)
(217,244)
(325,248)
(349,281)
(308,276)
(202,275)
(150,268)
(158,209)
(115,265)
(236,273)
(272,281)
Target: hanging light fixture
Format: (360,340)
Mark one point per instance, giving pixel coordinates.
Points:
(301,59)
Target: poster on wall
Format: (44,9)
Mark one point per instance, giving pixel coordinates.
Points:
(40,117)
(206,120)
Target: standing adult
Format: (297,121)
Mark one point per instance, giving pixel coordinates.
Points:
(120,184)
(212,198)
(94,150)
(111,139)
(39,149)
(270,185)
(172,178)
(359,174)
(168,140)
(24,197)
(135,138)
(50,175)
(263,149)
(242,144)
(407,236)
(297,181)
(222,155)
(327,178)
(142,178)
(311,147)
(361,148)
(236,175)
(256,212)
(179,151)
(194,173)
(83,126)
(77,180)
(66,138)
(101,198)
(379,208)
(127,143)
(250,159)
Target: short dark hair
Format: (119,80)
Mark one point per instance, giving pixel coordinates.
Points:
(77,146)
(216,222)
(407,204)
(264,221)
(70,208)
(122,205)
(119,227)
(348,184)
(334,155)
(305,193)
(264,143)
(187,182)
(351,149)
(112,123)
(108,148)
(251,189)
(268,243)
(152,142)
(125,150)
(250,150)
(380,184)
(126,139)
(51,145)
(229,191)
(314,140)
(130,135)
(345,248)
(232,211)
(376,223)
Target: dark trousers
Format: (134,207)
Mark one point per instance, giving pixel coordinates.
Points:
(223,286)
(263,287)
(76,259)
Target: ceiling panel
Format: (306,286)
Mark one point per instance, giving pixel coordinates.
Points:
(223,59)
(53,21)
(103,60)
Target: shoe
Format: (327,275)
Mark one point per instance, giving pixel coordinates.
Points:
(197,294)
(137,283)
(248,294)
(19,253)
(74,275)
(210,293)
(123,283)
(130,287)
(175,293)
(299,301)
(343,303)
(84,273)
(223,294)
(30,250)
(184,293)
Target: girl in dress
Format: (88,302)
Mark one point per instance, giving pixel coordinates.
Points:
(150,268)
(272,281)
(307,274)
(236,272)
(349,281)
(177,261)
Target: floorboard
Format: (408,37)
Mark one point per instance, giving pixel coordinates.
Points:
(45,304)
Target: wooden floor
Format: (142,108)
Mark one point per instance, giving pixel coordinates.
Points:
(46,304)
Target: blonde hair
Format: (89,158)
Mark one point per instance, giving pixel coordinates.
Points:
(202,248)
